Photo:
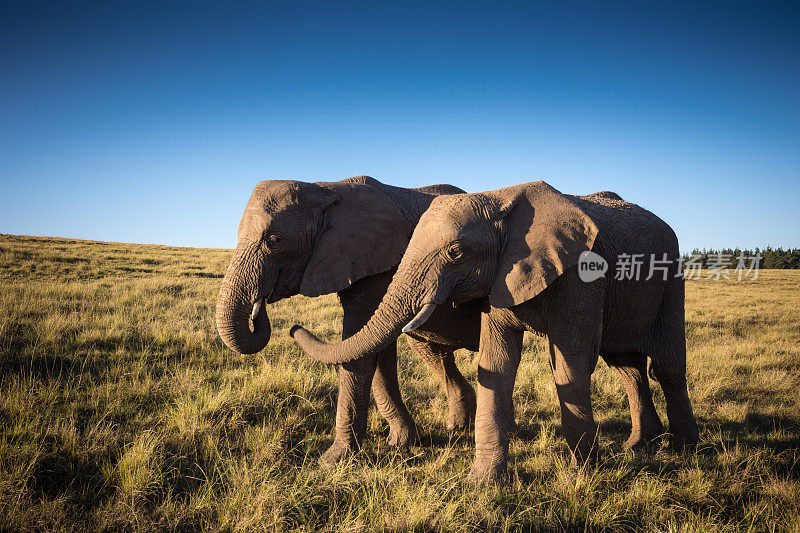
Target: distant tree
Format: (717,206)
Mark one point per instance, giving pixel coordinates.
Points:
(770,257)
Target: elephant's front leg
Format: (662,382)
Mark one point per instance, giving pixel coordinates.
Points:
(572,374)
(359,302)
(355,379)
(500,350)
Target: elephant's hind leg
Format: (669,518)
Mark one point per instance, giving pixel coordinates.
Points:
(684,433)
(460,394)
(632,370)
(668,356)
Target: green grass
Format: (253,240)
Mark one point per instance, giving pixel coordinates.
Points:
(120,408)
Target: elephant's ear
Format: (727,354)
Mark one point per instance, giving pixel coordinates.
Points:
(544,235)
(363,233)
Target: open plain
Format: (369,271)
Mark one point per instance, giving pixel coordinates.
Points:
(120,408)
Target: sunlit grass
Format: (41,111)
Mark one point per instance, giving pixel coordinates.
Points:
(121,408)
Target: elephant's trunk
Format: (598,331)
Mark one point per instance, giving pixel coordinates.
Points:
(382,328)
(235,310)
(233,321)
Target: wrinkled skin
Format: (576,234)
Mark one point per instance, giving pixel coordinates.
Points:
(346,237)
(517,249)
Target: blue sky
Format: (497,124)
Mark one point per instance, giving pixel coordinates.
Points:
(153,122)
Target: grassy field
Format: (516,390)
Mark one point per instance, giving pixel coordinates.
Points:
(120,408)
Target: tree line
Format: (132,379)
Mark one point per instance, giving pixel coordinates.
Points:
(770,257)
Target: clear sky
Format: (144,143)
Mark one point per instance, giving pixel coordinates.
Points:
(152,123)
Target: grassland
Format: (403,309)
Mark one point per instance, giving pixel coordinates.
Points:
(121,409)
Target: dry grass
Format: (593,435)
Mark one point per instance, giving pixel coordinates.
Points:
(121,409)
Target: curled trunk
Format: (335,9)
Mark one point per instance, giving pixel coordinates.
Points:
(239,303)
(233,322)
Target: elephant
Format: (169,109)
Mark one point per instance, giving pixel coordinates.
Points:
(518,250)
(346,237)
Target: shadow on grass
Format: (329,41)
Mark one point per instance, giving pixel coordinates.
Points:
(214,275)
(70,358)
(778,435)
(60,472)
(48,368)
(41,368)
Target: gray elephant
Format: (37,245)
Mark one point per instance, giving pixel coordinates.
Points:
(346,237)
(518,250)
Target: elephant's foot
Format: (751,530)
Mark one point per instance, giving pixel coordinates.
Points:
(461,407)
(584,460)
(493,472)
(585,449)
(682,426)
(337,452)
(685,438)
(403,434)
(637,443)
(648,436)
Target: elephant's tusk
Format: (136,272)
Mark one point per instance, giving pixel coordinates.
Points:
(422,316)
(256,308)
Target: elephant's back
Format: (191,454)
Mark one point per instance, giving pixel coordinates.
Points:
(437,189)
(362,180)
(440,189)
(636,244)
(603,196)
(627,228)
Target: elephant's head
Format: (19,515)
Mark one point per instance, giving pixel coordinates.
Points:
(507,244)
(307,238)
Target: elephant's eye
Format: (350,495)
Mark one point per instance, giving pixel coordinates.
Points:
(272,239)
(455,252)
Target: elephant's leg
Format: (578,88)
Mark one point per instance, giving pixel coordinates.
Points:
(512,417)
(500,350)
(385,389)
(573,312)
(359,301)
(460,394)
(352,406)
(632,370)
(682,425)
(571,372)
(668,356)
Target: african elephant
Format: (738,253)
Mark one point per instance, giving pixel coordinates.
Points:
(518,249)
(345,237)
